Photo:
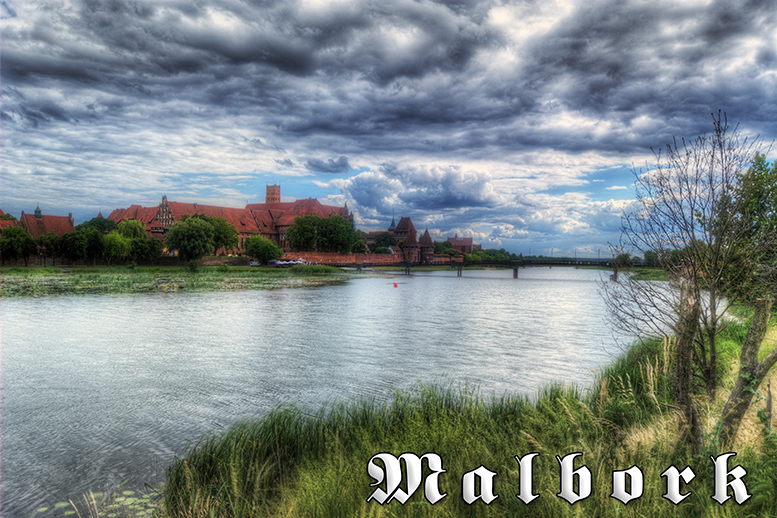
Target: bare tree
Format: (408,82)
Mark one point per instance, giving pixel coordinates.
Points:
(690,212)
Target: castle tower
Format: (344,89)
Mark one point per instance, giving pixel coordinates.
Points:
(273,194)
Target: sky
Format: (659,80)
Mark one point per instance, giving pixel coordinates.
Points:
(518,123)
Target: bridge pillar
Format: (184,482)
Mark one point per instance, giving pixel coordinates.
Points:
(458,272)
(407,270)
(515,272)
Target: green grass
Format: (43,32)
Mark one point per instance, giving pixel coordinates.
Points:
(290,463)
(648,274)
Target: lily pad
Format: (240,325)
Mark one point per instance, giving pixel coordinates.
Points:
(68,513)
(61,504)
(43,509)
(128,493)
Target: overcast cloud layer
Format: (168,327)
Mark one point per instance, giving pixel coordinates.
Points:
(514,122)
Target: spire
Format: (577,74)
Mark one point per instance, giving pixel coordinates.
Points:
(410,240)
(426,240)
(393,225)
(37,212)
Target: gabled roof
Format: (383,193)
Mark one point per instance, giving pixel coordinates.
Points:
(241,219)
(460,241)
(284,213)
(426,240)
(143,214)
(60,225)
(404,225)
(410,241)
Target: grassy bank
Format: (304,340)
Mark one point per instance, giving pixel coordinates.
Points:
(19,281)
(292,464)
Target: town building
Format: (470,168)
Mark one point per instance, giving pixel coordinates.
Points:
(463,244)
(38,224)
(274,217)
(270,219)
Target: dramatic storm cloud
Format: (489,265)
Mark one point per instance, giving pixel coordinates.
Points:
(515,122)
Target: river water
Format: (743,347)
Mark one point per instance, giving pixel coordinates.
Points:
(102,390)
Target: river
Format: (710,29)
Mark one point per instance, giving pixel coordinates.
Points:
(102,390)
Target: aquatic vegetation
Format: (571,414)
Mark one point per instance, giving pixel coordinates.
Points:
(153,279)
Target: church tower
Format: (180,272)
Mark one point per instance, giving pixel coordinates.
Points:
(273,194)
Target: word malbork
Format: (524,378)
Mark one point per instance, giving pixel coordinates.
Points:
(392,474)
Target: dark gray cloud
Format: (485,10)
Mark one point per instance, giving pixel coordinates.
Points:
(472,102)
(340,165)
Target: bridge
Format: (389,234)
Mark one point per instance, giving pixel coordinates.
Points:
(515,265)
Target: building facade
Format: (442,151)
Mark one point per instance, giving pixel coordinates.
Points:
(38,224)
(270,219)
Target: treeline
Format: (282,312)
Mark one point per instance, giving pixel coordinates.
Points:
(100,238)
(333,234)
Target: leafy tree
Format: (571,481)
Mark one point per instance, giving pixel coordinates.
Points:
(72,246)
(132,229)
(622,261)
(445,247)
(8,217)
(192,238)
(385,239)
(101,224)
(117,246)
(359,246)
(16,243)
(262,249)
(225,235)
(757,192)
(335,234)
(651,258)
(383,250)
(301,236)
(94,240)
(48,246)
(145,249)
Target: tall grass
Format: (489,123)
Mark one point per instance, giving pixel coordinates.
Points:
(289,463)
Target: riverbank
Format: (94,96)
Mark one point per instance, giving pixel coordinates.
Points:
(20,281)
(292,464)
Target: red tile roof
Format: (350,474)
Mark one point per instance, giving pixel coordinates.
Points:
(426,240)
(255,218)
(410,240)
(242,219)
(37,226)
(8,224)
(153,217)
(459,241)
(404,225)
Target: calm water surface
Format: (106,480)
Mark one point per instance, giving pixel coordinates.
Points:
(104,390)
